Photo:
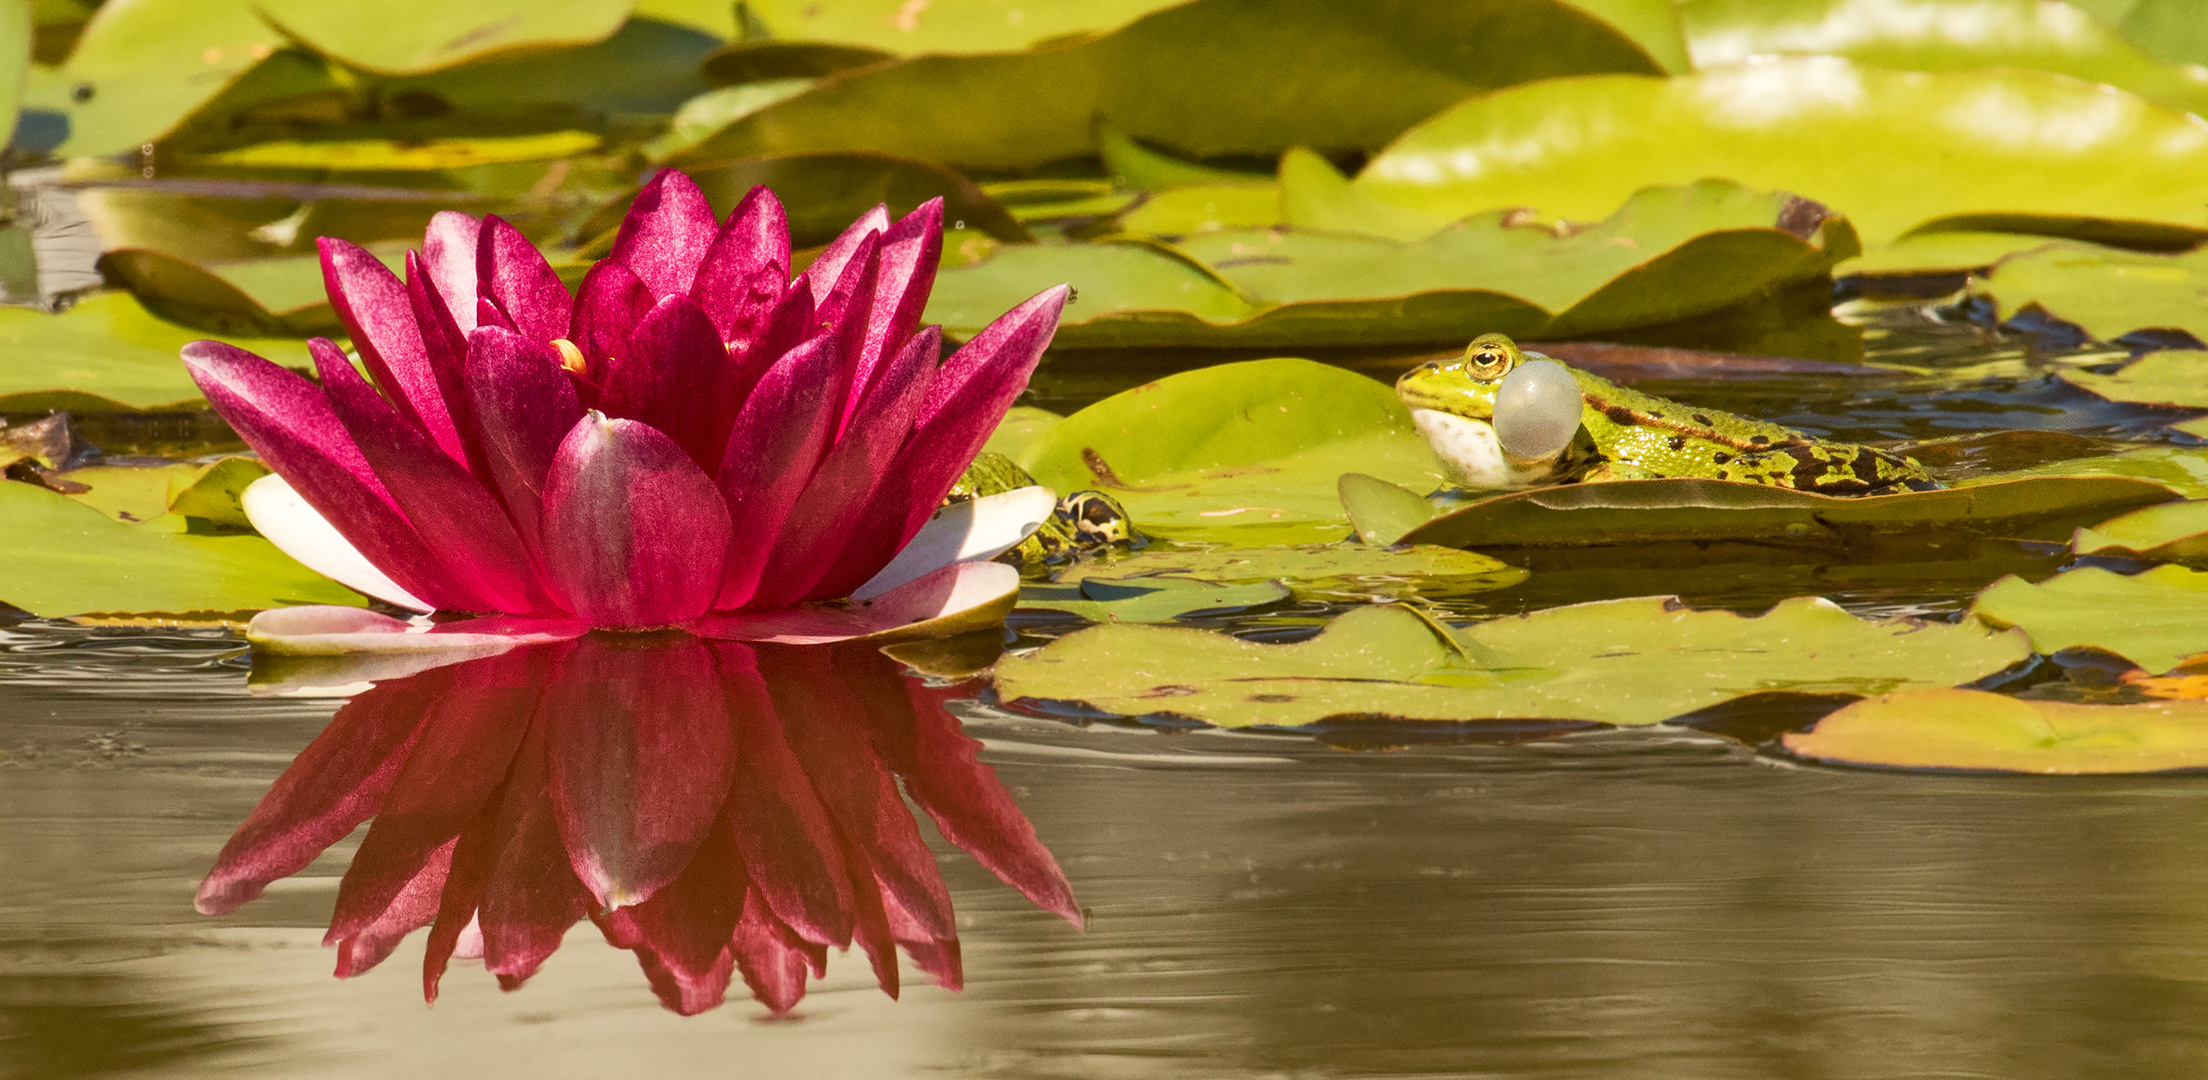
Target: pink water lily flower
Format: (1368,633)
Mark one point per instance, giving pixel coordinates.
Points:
(692,438)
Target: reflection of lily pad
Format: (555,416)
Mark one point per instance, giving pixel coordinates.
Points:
(1657,511)
(1205,78)
(106,354)
(2174,377)
(1634,661)
(1352,572)
(2155,619)
(1972,729)
(1987,150)
(1240,453)
(1148,599)
(2171,532)
(1668,254)
(68,559)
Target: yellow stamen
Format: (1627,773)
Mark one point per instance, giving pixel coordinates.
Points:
(571,357)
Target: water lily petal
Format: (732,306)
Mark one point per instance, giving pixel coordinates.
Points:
(334,784)
(476,856)
(609,304)
(641,758)
(343,632)
(786,327)
(515,275)
(826,268)
(778,439)
(969,396)
(957,598)
(378,314)
(298,530)
(446,345)
(911,250)
(634,532)
(524,405)
(671,377)
(412,908)
(450,509)
(681,935)
(982,528)
(747,270)
(488,314)
(666,234)
(787,838)
(836,515)
(773,963)
(449,258)
(288,421)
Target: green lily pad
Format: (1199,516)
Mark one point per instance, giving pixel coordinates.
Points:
(1313,196)
(2106,292)
(1021,425)
(377,155)
(2181,469)
(2155,618)
(218,221)
(142,67)
(2169,30)
(66,558)
(1241,453)
(2172,377)
(1204,78)
(15,56)
(1687,510)
(945,26)
(1938,35)
(824,193)
(1136,167)
(1668,254)
(1949,250)
(1148,599)
(214,492)
(1986,150)
(2171,532)
(410,37)
(1333,572)
(1563,663)
(127,492)
(1972,729)
(715,109)
(107,354)
(1204,208)
(1381,512)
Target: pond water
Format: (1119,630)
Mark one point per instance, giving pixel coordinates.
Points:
(1663,902)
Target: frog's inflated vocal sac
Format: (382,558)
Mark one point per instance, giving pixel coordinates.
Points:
(1624,435)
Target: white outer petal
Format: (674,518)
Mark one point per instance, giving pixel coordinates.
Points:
(304,534)
(982,528)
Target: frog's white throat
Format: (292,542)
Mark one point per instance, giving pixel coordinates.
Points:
(1472,456)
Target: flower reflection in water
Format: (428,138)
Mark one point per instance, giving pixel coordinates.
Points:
(719,809)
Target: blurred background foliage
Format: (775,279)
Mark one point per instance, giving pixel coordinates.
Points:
(1274,175)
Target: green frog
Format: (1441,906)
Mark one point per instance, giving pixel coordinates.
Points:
(1083,521)
(1622,434)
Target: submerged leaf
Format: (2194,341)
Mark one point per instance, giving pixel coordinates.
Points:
(1564,663)
(1972,729)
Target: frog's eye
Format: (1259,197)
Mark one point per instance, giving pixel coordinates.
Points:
(1486,362)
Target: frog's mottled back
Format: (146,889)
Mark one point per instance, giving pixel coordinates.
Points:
(1627,435)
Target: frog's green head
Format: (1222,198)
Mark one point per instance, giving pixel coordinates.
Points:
(1499,418)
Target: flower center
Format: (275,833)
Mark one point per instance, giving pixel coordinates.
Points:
(571,357)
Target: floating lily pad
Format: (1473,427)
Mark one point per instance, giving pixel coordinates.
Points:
(1975,730)
(2170,30)
(1021,425)
(1245,454)
(127,492)
(143,66)
(2181,469)
(1381,512)
(1667,255)
(66,558)
(1986,150)
(1938,35)
(413,36)
(1204,208)
(2171,532)
(371,155)
(1148,599)
(2106,292)
(1673,510)
(1636,661)
(1337,572)
(2155,619)
(1204,79)
(15,57)
(107,354)
(945,26)
(214,492)
(2173,377)
(1134,166)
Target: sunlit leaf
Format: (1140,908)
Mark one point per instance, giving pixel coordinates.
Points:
(2172,377)
(15,58)
(1939,35)
(128,492)
(1564,663)
(1021,425)
(2170,30)
(378,154)
(2106,292)
(213,491)
(1669,254)
(106,354)
(1202,79)
(1148,599)
(1204,208)
(1342,572)
(1976,730)
(1240,453)
(946,26)
(2181,469)
(142,66)
(409,37)
(1133,165)
(1691,510)
(1988,150)
(2155,618)
(1381,512)
(68,559)
(2171,532)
